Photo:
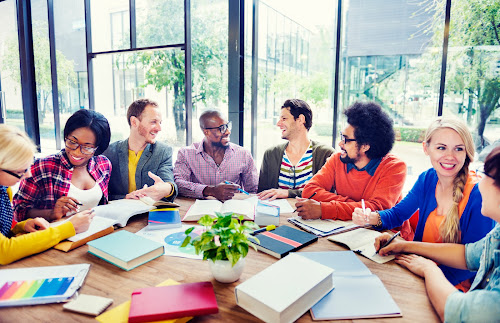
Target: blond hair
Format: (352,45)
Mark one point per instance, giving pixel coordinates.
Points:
(16,147)
(450,227)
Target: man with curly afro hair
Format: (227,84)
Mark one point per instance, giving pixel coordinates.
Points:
(363,169)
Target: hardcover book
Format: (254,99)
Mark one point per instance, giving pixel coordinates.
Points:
(283,240)
(125,249)
(170,302)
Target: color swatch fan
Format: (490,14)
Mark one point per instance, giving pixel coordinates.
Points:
(40,285)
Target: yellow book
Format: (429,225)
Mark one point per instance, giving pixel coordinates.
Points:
(119,314)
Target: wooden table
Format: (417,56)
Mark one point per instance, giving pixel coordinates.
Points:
(105,279)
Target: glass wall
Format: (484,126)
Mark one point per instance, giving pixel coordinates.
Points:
(10,79)
(296,42)
(389,56)
(473,70)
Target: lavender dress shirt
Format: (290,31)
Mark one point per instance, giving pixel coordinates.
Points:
(195,169)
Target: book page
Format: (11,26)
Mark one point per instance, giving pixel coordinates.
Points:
(202,207)
(97,224)
(122,210)
(240,207)
(369,252)
(323,225)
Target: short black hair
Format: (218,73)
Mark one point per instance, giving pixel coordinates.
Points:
(93,120)
(372,126)
(492,165)
(206,115)
(298,107)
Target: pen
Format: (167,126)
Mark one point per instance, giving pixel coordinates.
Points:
(310,197)
(364,209)
(239,189)
(389,241)
(268,228)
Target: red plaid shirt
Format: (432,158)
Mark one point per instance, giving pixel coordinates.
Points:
(50,180)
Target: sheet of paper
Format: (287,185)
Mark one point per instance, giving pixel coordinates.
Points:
(172,240)
(369,252)
(98,224)
(202,207)
(323,225)
(357,238)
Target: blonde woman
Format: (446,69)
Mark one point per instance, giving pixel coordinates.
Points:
(447,196)
(16,156)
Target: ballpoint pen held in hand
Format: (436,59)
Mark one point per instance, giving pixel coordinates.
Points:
(389,241)
(310,197)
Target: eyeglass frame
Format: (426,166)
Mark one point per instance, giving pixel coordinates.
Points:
(227,126)
(79,146)
(15,174)
(344,139)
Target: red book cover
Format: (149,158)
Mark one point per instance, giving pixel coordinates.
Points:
(170,302)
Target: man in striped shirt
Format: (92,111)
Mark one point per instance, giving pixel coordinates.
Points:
(287,168)
(214,167)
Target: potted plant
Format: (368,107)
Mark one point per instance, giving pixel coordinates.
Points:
(225,242)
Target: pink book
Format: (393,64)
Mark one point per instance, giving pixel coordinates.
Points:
(170,302)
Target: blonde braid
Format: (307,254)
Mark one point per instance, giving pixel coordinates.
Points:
(450,227)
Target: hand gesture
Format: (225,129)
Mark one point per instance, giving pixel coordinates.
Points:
(308,209)
(272,194)
(222,191)
(360,218)
(64,205)
(157,191)
(81,221)
(395,247)
(36,224)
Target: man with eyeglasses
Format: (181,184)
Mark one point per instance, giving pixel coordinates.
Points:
(142,166)
(214,167)
(287,168)
(363,169)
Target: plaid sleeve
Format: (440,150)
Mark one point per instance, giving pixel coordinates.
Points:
(26,195)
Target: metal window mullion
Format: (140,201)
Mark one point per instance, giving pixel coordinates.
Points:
(90,56)
(446,36)
(336,79)
(187,71)
(53,73)
(255,75)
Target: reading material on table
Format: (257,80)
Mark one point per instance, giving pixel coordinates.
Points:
(361,241)
(285,290)
(358,293)
(170,302)
(164,219)
(88,304)
(125,249)
(40,285)
(323,228)
(283,240)
(202,207)
(119,314)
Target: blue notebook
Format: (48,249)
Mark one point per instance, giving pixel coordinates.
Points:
(125,249)
(164,219)
(357,293)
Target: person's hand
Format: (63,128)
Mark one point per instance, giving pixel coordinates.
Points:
(222,191)
(64,205)
(395,247)
(157,191)
(36,224)
(273,193)
(416,264)
(81,221)
(308,209)
(360,218)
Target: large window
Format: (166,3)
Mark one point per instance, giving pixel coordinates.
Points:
(11,105)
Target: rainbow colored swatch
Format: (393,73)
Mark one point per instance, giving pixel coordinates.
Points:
(24,289)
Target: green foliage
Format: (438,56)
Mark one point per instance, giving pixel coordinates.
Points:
(410,134)
(225,238)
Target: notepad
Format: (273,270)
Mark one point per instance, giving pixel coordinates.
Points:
(361,241)
(88,304)
(358,293)
(40,285)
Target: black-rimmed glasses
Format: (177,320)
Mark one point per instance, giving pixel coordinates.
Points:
(73,145)
(18,175)
(223,127)
(344,139)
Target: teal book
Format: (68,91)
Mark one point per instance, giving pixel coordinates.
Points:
(125,249)
(357,294)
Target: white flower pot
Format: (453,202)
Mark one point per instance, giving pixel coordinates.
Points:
(225,273)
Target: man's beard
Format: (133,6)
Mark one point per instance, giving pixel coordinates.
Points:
(144,133)
(218,144)
(349,160)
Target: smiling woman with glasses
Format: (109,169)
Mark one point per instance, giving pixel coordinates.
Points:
(16,154)
(72,180)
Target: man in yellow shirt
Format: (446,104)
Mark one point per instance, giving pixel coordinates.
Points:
(141,165)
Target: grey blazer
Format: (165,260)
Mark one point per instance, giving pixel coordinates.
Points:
(156,158)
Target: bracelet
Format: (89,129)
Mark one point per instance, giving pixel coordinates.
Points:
(379,222)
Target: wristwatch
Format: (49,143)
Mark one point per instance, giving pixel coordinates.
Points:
(379,222)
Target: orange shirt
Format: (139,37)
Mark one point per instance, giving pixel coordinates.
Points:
(380,191)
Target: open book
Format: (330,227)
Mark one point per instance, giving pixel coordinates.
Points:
(117,212)
(361,241)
